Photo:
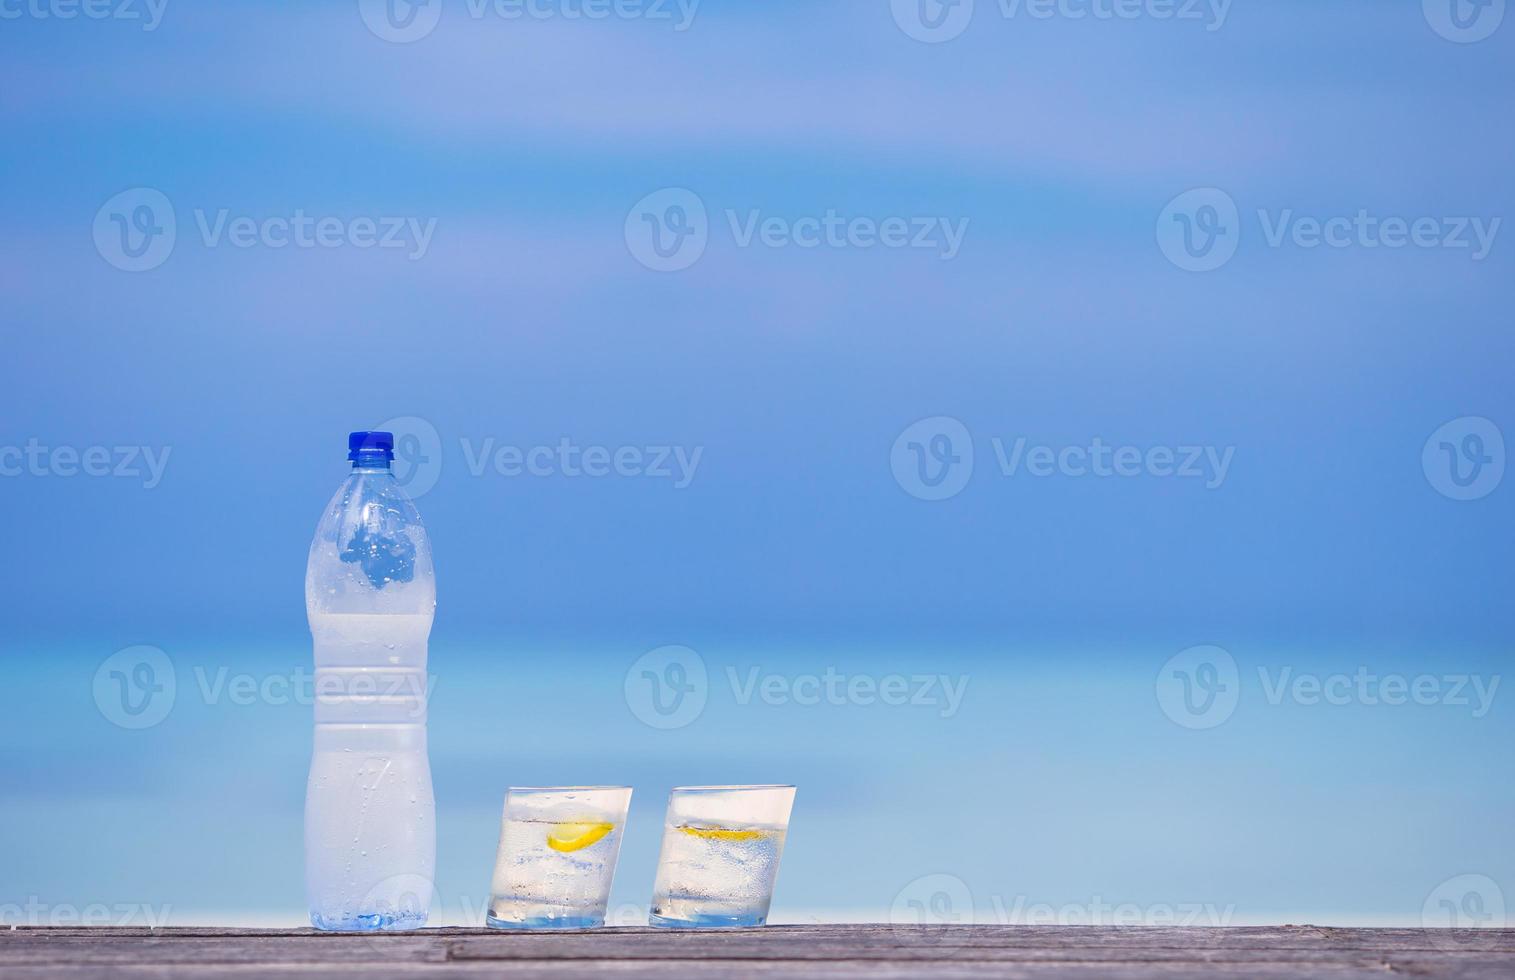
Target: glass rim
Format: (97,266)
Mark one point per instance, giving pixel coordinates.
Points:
(561,789)
(731,788)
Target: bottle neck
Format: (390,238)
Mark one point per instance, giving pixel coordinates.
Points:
(370,462)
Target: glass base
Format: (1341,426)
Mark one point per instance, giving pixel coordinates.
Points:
(373,922)
(707,921)
(547,922)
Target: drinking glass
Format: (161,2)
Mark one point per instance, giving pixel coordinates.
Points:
(720,857)
(558,848)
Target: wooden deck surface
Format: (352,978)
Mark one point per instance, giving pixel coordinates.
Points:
(776,951)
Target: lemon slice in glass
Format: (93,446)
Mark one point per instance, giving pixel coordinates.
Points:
(721,833)
(567,837)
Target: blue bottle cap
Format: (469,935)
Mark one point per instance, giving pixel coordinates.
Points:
(370,443)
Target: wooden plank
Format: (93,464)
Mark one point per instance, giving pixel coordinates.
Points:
(782,940)
(779,951)
(1272,937)
(779,970)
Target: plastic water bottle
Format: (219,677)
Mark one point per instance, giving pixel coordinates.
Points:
(370,827)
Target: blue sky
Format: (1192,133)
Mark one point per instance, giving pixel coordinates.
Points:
(794,373)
